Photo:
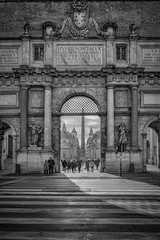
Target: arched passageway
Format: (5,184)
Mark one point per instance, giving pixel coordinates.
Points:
(80,130)
(151,143)
(7,145)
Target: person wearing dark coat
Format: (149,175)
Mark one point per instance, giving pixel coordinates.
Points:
(51,165)
(79,164)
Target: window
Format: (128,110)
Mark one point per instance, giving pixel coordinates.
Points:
(38,53)
(121,52)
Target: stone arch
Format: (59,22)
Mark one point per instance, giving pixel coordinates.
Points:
(153,119)
(97,95)
(14,135)
(81,95)
(144,142)
(12,127)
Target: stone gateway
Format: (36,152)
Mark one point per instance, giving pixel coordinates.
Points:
(49,56)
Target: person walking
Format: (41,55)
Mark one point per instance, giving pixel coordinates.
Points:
(92,165)
(46,167)
(79,164)
(87,165)
(51,165)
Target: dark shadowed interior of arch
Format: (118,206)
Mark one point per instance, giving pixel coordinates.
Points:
(153,132)
(80,131)
(6,146)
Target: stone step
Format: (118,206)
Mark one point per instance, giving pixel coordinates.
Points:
(76,235)
(80,224)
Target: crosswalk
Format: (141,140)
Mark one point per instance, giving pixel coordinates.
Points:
(73,207)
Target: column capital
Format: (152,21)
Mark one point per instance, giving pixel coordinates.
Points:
(144,135)
(48,87)
(134,87)
(110,86)
(24,87)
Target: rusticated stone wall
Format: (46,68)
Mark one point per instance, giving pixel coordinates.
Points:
(14,14)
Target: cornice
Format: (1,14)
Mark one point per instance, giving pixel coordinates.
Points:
(117,76)
(112,69)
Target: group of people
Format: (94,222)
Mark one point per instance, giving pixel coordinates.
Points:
(75,165)
(71,165)
(91,163)
(49,166)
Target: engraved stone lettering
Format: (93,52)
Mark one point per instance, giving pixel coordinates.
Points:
(8,56)
(80,55)
(151,55)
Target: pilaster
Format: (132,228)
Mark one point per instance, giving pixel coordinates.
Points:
(14,152)
(144,151)
(48,51)
(133,39)
(24,118)
(110,117)
(47,118)
(26,45)
(134,118)
(110,51)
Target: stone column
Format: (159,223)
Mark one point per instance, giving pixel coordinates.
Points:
(14,152)
(47,118)
(24,118)
(144,151)
(134,119)
(110,117)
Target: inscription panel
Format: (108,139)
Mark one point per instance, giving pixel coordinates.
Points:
(9,56)
(150,55)
(80,55)
(150,99)
(8,100)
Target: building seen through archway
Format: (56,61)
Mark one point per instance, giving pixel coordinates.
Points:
(80,134)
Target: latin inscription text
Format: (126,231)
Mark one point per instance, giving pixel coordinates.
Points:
(8,56)
(80,55)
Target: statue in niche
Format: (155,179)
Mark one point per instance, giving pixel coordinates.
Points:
(122,132)
(35,131)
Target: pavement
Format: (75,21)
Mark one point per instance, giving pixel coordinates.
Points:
(85,206)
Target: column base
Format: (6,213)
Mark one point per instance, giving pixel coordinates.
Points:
(128,158)
(32,161)
(50,149)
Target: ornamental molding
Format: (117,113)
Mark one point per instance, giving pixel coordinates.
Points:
(49,76)
(79,24)
(8,79)
(74,81)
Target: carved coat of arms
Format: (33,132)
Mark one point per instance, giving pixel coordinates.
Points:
(80,14)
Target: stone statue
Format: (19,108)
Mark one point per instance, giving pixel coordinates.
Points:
(123,131)
(35,130)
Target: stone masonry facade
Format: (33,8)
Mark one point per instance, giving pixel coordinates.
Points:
(51,51)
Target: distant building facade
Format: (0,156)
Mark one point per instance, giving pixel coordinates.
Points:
(93,145)
(69,144)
